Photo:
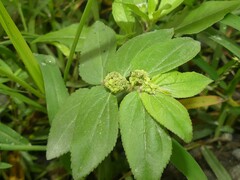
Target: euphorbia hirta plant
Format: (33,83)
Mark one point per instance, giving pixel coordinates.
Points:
(132,89)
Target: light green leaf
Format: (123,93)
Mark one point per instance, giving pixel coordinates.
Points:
(132,48)
(147,146)
(123,16)
(165,56)
(232,20)
(4,165)
(181,85)
(63,124)
(172,4)
(95,131)
(152,5)
(97,50)
(10,136)
(170,113)
(55,89)
(64,36)
(185,163)
(204,16)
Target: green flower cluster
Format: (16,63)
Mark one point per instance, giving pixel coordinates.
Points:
(115,82)
(138,81)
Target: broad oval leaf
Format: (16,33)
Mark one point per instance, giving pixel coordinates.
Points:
(97,50)
(55,89)
(147,146)
(63,124)
(204,16)
(181,85)
(165,56)
(185,163)
(95,131)
(170,113)
(132,48)
(10,136)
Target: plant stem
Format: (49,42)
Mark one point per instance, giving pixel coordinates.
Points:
(9,147)
(79,30)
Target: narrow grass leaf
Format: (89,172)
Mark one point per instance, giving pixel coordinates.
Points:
(201,101)
(169,113)
(165,56)
(10,136)
(147,146)
(64,36)
(133,47)
(4,165)
(61,132)
(95,132)
(55,89)
(21,47)
(232,20)
(215,165)
(185,163)
(97,50)
(204,16)
(181,85)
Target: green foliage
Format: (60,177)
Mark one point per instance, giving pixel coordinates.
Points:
(127,79)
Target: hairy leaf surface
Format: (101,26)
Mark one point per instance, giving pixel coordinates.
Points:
(147,146)
(95,131)
(169,113)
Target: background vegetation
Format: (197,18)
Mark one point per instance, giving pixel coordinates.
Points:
(49,27)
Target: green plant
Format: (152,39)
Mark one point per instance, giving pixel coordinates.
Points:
(142,78)
(133,88)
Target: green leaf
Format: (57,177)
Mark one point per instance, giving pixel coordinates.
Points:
(215,165)
(97,50)
(55,89)
(170,113)
(21,46)
(185,163)
(201,101)
(165,56)
(9,136)
(181,85)
(147,146)
(172,4)
(95,131)
(232,20)
(204,16)
(63,124)
(64,36)
(123,16)
(125,54)
(4,165)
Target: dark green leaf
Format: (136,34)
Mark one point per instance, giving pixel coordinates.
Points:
(215,165)
(63,124)
(55,89)
(9,136)
(185,163)
(181,85)
(95,131)
(204,16)
(147,146)
(97,50)
(170,113)
(165,56)
(132,48)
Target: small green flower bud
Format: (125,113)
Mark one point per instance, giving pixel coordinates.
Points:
(138,78)
(115,82)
